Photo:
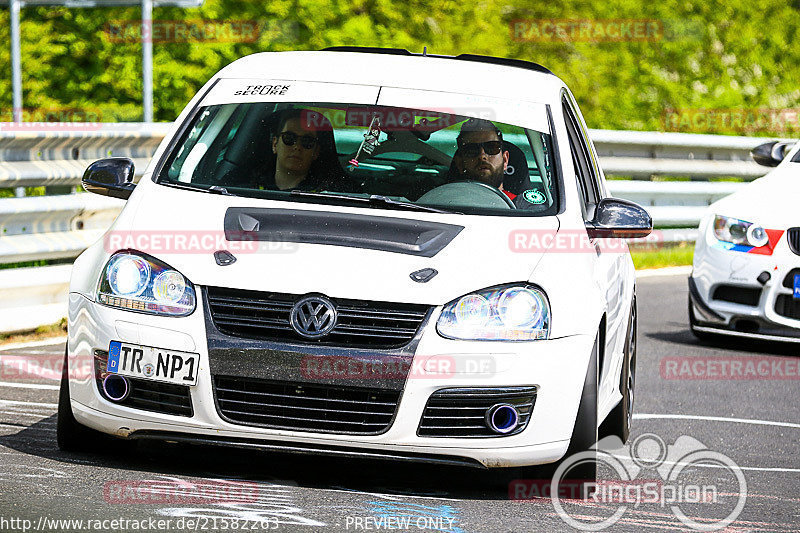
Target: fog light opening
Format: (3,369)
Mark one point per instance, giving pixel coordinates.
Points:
(502,418)
(116,387)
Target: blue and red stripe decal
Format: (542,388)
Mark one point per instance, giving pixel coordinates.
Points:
(773,234)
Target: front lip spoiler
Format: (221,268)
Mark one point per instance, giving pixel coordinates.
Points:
(742,334)
(305,449)
(695,299)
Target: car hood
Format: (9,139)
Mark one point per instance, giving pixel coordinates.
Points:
(771,201)
(333,258)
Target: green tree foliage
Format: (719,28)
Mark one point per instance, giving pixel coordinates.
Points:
(707,55)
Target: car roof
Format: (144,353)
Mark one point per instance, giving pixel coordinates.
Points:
(465,74)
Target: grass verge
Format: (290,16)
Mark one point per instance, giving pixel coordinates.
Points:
(58,329)
(680,254)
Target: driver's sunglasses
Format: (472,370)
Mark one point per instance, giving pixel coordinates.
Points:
(306,141)
(474,149)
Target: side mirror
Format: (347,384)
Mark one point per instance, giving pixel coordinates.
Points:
(772,153)
(110,177)
(621,219)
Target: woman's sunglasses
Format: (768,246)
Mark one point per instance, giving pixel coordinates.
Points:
(474,149)
(306,141)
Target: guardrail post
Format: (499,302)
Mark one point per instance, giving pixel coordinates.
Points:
(58,189)
(16,60)
(147,60)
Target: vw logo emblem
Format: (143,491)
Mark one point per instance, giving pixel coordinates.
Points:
(313,317)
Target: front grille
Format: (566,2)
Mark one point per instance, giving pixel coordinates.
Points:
(462,412)
(793,236)
(303,407)
(786,305)
(788,281)
(147,395)
(265,315)
(738,295)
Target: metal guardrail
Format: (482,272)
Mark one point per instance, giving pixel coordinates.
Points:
(61,227)
(58,154)
(673,203)
(53,227)
(33,297)
(650,153)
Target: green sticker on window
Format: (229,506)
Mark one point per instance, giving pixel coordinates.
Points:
(534,197)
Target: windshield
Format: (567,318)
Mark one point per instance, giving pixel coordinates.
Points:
(388,157)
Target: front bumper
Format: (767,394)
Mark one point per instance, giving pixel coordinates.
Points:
(555,367)
(727,297)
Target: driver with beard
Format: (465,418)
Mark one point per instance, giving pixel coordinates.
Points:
(480,155)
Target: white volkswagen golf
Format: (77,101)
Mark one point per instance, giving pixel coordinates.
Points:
(746,276)
(361,252)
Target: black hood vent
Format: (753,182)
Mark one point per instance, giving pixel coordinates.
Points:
(389,234)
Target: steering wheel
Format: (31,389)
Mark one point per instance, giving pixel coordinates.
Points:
(467,193)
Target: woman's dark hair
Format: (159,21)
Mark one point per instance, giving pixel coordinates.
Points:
(310,120)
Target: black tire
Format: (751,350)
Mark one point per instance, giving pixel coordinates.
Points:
(620,419)
(699,335)
(70,435)
(585,432)
(584,436)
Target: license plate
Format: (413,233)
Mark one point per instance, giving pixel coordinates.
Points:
(797,286)
(157,364)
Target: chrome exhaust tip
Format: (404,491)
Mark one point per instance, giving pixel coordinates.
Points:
(502,418)
(116,388)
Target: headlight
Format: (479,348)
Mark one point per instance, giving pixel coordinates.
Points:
(515,313)
(137,282)
(737,231)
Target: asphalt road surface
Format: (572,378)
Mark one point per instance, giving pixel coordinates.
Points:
(733,401)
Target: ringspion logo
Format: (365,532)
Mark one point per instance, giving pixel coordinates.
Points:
(647,476)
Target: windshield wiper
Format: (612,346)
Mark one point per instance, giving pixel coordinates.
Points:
(378,199)
(214,189)
(375,200)
(220,190)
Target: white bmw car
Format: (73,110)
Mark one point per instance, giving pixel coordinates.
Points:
(361,252)
(745,281)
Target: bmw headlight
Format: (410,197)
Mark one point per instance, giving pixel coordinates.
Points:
(511,313)
(137,282)
(733,230)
